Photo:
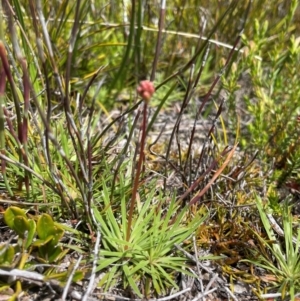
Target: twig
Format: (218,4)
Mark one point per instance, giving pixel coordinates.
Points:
(191,257)
(23,274)
(69,281)
(159,299)
(198,266)
(196,198)
(93,272)
(200,295)
(277,228)
(212,280)
(231,294)
(267,296)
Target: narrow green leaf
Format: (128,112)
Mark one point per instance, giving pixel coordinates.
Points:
(131,281)
(106,262)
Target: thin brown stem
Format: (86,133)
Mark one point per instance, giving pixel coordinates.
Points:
(159,35)
(138,172)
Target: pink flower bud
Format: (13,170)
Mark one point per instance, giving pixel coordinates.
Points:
(146,89)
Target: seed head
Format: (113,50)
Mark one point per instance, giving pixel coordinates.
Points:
(146,89)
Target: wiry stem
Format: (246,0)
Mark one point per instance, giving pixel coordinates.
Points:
(146,90)
(138,172)
(159,35)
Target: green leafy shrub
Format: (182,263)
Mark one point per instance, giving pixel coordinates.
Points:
(270,59)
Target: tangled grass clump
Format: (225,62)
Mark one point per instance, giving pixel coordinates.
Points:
(134,137)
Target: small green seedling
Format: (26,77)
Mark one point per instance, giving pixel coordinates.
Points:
(49,234)
(17,220)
